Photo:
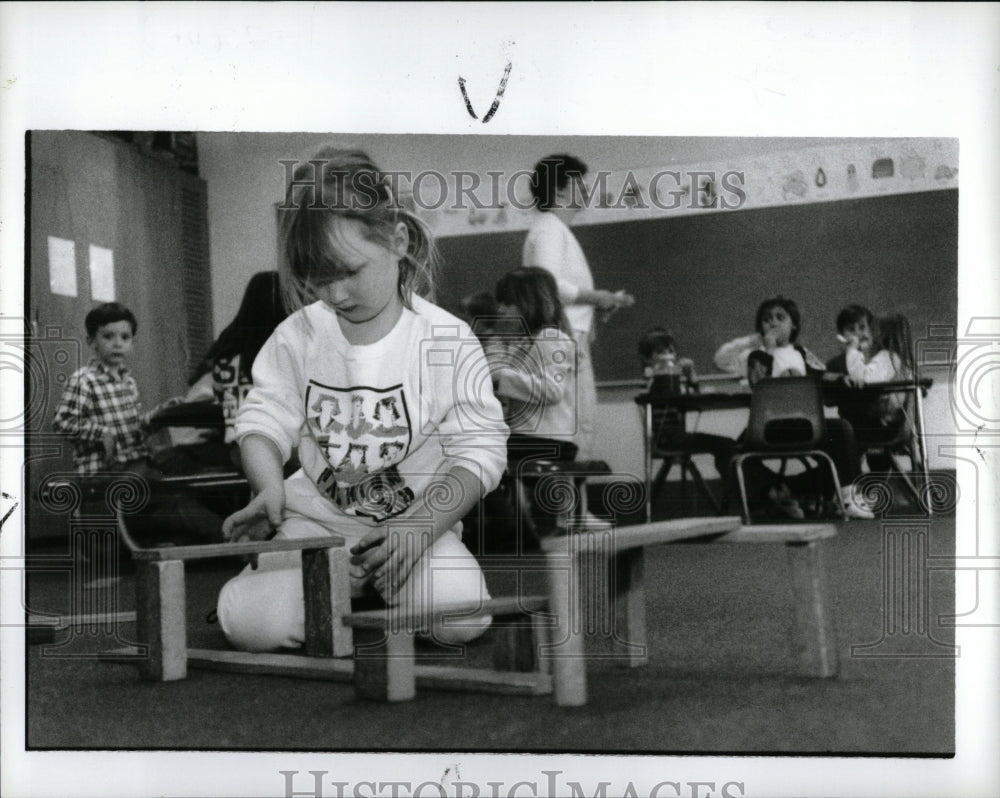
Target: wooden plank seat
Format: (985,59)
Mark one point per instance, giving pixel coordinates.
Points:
(600,574)
(330,627)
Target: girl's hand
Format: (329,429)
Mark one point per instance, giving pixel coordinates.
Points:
(850,382)
(386,556)
(259,520)
(770,340)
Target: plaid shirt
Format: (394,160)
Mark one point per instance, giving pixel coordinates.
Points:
(98,400)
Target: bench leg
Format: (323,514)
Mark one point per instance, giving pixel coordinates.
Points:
(327,589)
(514,645)
(569,671)
(384,665)
(630,607)
(160,608)
(817,638)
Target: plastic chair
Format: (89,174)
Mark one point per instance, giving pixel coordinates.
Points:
(907,442)
(786,423)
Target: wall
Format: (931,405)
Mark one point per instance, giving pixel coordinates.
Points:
(245,180)
(245,176)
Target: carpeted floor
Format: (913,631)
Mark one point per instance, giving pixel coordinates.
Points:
(722,676)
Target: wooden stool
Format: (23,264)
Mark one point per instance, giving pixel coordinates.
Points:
(161,602)
(384,661)
(574,558)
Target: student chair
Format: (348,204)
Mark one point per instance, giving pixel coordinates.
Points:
(908,442)
(786,423)
(669,424)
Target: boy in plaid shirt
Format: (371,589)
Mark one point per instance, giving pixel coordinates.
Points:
(101,414)
(100,409)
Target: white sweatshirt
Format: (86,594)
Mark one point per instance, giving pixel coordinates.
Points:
(538,382)
(552,246)
(374,424)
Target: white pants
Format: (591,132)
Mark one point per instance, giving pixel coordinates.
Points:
(263,609)
(586,397)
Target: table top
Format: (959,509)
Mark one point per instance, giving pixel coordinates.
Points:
(719,400)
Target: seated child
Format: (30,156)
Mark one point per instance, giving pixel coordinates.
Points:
(532,360)
(856,323)
(479,311)
(888,359)
(224,376)
(534,369)
(658,354)
(773,351)
(101,414)
(778,324)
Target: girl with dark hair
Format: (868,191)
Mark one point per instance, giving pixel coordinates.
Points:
(534,366)
(227,366)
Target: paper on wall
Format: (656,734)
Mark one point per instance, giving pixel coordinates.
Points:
(102,274)
(62,266)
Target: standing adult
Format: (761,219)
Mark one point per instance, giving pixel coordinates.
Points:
(558,191)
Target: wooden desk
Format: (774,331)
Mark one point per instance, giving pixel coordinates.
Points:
(734,400)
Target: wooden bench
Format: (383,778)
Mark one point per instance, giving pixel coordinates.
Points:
(161,599)
(384,658)
(596,555)
(539,642)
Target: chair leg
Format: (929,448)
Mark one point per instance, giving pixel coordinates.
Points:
(699,482)
(741,480)
(661,477)
(837,493)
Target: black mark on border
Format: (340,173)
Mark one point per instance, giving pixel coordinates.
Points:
(496,102)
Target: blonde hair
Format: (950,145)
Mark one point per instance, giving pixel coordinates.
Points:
(346,183)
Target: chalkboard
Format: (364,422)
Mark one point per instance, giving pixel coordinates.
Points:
(702,276)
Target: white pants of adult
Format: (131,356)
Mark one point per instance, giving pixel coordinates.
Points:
(263,609)
(586,397)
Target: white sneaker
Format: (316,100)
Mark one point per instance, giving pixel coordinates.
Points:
(855,504)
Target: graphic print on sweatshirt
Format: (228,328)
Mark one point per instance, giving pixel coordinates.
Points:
(362,432)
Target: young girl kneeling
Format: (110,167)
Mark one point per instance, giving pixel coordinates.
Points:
(365,379)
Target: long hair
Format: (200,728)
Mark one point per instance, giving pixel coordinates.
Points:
(261,310)
(533,291)
(346,183)
(893,334)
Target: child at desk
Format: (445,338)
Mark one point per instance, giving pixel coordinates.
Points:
(874,352)
(773,351)
(658,354)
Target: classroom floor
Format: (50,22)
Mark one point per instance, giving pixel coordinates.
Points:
(722,676)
